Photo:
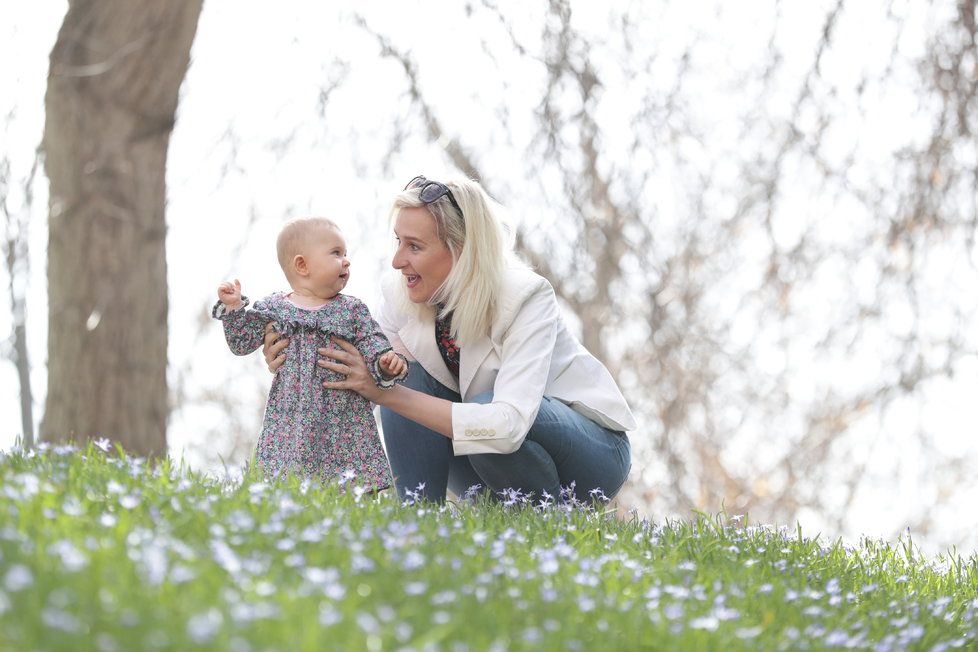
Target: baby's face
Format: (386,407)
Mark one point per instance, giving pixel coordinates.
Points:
(329,269)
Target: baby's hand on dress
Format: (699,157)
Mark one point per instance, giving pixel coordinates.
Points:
(230,294)
(392,365)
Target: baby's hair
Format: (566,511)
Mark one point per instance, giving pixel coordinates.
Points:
(293,236)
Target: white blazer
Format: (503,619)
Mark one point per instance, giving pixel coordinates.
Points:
(528,354)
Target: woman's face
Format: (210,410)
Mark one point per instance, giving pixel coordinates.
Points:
(421,257)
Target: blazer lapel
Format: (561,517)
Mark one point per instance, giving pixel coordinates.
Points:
(418,336)
(470,360)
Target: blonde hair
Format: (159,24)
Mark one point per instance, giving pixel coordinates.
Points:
(477,242)
(294,235)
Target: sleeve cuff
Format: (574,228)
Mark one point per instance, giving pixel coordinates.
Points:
(220,311)
(387,383)
(478,429)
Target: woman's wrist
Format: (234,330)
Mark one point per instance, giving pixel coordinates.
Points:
(382,395)
(430,411)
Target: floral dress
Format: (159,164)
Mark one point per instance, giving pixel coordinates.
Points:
(309,429)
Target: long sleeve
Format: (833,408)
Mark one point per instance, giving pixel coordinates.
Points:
(244,329)
(372,343)
(523,361)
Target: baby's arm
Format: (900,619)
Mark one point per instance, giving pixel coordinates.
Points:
(244,329)
(385,365)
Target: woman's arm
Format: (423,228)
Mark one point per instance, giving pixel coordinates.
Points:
(429,411)
(498,427)
(525,351)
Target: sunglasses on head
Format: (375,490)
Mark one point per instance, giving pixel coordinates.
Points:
(432,191)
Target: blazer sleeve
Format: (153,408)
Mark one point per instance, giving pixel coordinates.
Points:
(525,351)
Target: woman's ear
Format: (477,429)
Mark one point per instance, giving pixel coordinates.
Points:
(299,265)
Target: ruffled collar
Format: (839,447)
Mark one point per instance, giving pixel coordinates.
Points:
(290,318)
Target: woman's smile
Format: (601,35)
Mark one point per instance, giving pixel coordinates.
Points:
(421,256)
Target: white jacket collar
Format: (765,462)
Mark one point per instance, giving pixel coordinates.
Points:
(418,336)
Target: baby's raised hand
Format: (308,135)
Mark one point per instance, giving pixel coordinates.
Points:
(392,365)
(230,294)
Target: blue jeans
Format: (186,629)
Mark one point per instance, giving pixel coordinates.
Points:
(562,447)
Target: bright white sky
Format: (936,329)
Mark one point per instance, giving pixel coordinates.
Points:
(250,150)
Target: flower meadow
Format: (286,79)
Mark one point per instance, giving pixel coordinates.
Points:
(100,551)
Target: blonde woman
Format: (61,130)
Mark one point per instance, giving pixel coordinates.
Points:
(499,393)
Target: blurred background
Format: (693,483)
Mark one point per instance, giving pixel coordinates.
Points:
(761,216)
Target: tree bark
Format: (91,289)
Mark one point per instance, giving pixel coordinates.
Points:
(113,88)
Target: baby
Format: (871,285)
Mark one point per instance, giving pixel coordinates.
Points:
(309,429)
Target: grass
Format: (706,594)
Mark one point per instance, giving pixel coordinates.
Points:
(104,552)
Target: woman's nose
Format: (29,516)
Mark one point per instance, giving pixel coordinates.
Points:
(396,261)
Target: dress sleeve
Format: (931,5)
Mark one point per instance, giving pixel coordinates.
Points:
(244,329)
(372,343)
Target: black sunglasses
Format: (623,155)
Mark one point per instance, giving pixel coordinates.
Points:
(432,191)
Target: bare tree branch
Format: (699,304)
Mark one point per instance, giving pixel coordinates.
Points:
(17,259)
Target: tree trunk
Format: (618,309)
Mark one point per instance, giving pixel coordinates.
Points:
(113,87)
(17,265)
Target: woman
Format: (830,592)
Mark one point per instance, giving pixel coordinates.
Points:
(498,393)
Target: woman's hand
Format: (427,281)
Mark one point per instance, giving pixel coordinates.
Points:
(347,361)
(274,348)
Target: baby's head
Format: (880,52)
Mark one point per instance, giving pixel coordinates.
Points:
(312,253)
